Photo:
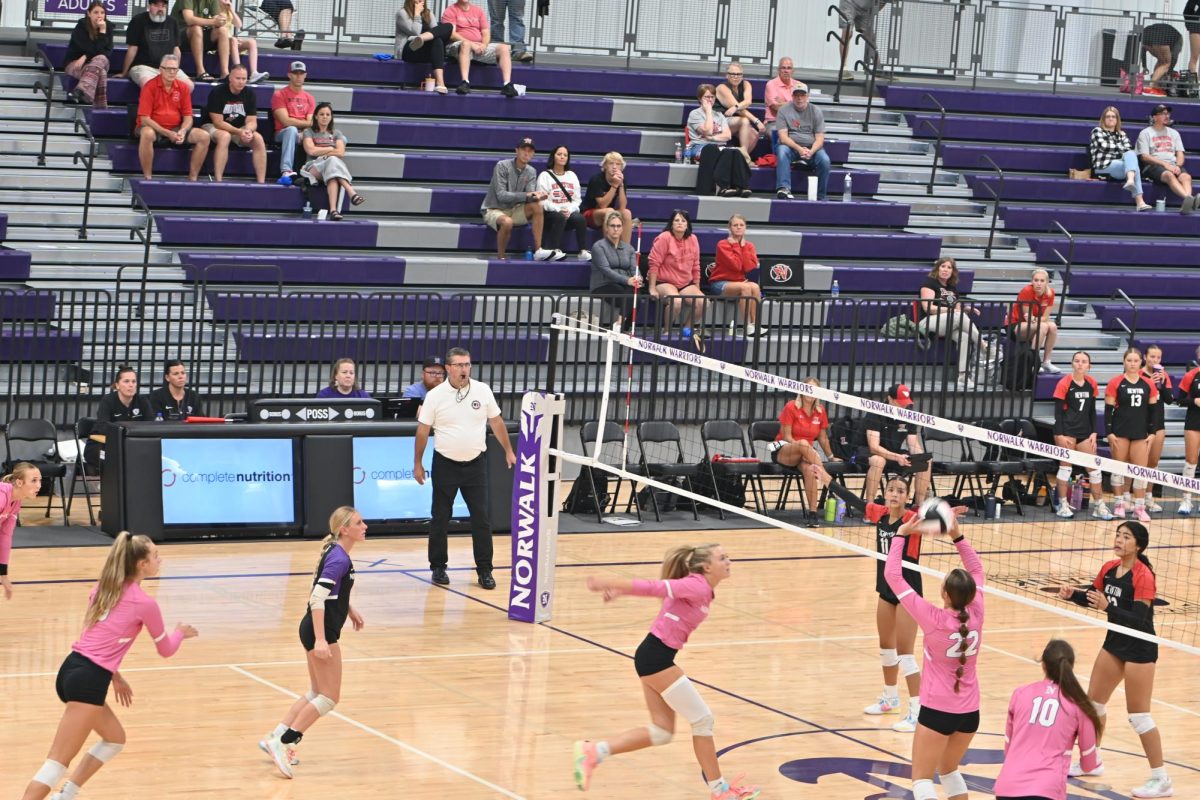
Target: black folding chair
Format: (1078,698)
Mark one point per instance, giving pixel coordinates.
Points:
(36,441)
(83,471)
(762,433)
(962,466)
(657,439)
(612,434)
(725,437)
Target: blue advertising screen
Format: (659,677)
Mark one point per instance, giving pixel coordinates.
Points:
(228,481)
(384,487)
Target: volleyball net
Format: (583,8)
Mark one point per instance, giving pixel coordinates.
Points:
(1006,472)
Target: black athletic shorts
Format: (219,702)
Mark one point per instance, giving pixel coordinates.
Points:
(947,723)
(333,630)
(1127,648)
(81,680)
(652,656)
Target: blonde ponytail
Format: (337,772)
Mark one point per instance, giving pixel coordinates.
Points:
(340,518)
(19,471)
(121,566)
(682,561)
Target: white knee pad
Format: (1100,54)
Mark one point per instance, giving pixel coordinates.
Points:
(658,736)
(954,784)
(1141,723)
(908,665)
(1117,482)
(104,751)
(322,704)
(1139,484)
(1096,477)
(1101,709)
(686,701)
(310,695)
(51,773)
(888,657)
(923,790)
(1064,474)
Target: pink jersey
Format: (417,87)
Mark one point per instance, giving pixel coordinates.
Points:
(685,606)
(9,511)
(1039,738)
(107,642)
(942,638)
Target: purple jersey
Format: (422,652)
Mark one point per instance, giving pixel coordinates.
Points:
(1039,737)
(685,606)
(943,640)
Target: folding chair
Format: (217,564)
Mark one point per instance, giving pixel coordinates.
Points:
(655,437)
(612,434)
(764,432)
(36,441)
(966,470)
(725,437)
(1001,462)
(83,471)
(1037,468)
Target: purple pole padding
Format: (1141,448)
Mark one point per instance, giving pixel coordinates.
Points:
(535,509)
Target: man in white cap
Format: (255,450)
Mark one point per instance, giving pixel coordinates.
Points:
(292,108)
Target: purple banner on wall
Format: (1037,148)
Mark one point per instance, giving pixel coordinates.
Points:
(523,592)
(116,8)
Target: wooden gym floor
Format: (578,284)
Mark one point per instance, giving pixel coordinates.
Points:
(444,697)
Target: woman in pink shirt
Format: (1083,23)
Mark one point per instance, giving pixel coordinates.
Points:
(117,611)
(1044,720)
(689,578)
(675,273)
(23,483)
(949,714)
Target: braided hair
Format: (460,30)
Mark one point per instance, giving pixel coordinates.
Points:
(960,588)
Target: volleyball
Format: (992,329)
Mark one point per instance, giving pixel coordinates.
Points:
(935,515)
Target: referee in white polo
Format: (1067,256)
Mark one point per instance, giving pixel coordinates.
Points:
(460,410)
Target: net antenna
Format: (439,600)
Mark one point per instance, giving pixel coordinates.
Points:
(1021,557)
(637,284)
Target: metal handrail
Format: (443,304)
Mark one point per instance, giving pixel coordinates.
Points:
(937,147)
(1129,329)
(996,193)
(837,35)
(870,65)
(144,236)
(48,90)
(89,161)
(1066,276)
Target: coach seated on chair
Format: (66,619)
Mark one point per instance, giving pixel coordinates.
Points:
(164,116)
(891,443)
(174,399)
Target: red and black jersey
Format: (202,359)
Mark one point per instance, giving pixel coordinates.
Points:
(885,529)
(1158,411)
(1131,603)
(1188,393)
(1075,407)
(1131,414)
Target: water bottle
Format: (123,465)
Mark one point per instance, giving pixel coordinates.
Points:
(528,254)
(831,509)
(158,417)
(1077,495)
(835,290)
(841,510)
(846,190)
(991,508)
(678,153)
(1085,490)
(307,212)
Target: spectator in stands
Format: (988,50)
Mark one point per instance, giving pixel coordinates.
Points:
(941,312)
(232,119)
(800,126)
(165,114)
(472,41)
(605,195)
(433,372)
(734,97)
(240,44)
(1191,21)
(1162,41)
(516,26)
(564,195)
(892,443)
(1029,320)
(675,276)
(615,274)
(343,382)
(736,259)
(292,108)
(1113,157)
(513,199)
(281,11)
(420,41)
(122,404)
(859,14)
(724,170)
(174,400)
(803,424)
(150,36)
(777,94)
(1161,150)
(87,55)
(203,24)
(325,147)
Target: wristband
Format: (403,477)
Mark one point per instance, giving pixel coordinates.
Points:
(3,569)
(958,538)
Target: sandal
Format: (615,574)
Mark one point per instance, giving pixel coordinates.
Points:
(357,200)
(335,216)
(206,77)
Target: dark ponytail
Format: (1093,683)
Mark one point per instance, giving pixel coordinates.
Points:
(960,588)
(1058,662)
(1142,536)
(963,616)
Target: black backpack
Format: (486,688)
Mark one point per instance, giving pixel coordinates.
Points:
(846,436)
(580,499)
(729,488)
(1020,366)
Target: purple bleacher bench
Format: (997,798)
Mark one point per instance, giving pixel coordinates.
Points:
(1063,190)
(1151,316)
(1143,283)
(28,305)
(1023,130)
(303,307)
(1169,253)
(45,345)
(1121,222)
(14,264)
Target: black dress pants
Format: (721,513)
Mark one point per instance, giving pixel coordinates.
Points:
(449,478)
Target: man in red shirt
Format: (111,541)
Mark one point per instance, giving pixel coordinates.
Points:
(165,113)
(292,108)
(1030,317)
(472,41)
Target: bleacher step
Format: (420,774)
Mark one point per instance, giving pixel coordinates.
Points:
(21,219)
(25,180)
(13,197)
(83,254)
